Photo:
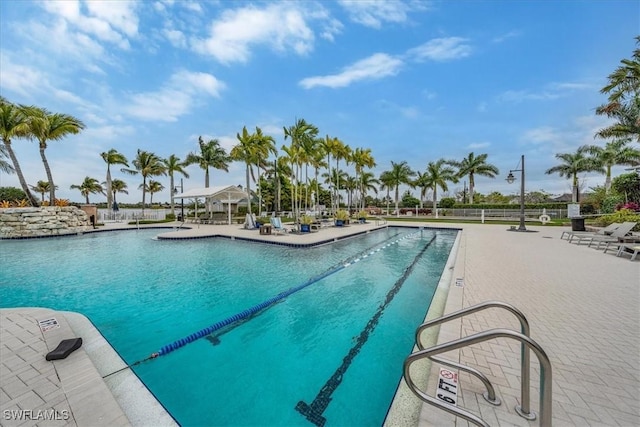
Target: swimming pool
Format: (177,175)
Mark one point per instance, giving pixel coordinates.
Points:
(331,351)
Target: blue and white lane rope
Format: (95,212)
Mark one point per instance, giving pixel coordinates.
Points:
(256,308)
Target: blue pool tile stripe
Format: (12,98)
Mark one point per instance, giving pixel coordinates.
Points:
(255,309)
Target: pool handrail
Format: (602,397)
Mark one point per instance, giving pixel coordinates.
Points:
(545,372)
(523,409)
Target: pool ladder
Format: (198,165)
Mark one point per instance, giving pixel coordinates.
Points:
(527,344)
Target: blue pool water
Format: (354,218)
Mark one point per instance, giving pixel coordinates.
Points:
(335,346)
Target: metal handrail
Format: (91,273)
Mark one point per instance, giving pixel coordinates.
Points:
(523,409)
(545,372)
(380,220)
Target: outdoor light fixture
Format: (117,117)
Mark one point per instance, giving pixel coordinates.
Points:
(175,190)
(510,180)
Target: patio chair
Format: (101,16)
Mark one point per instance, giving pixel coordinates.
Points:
(617,235)
(276,224)
(603,231)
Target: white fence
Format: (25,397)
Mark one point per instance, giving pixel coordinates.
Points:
(133,214)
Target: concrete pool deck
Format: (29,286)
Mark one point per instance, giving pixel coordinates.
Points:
(583,306)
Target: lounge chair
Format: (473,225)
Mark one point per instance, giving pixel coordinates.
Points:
(276,225)
(617,235)
(603,231)
(633,249)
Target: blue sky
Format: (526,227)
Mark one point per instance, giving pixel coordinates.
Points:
(412,80)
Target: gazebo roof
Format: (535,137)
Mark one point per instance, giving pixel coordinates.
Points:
(231,193)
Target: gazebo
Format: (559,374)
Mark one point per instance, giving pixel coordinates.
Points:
(224,194)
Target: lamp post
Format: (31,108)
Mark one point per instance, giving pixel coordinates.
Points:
(175,190)
(510,180)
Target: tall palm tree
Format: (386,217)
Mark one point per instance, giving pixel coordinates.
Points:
(361,158)
(146,164)
(118,186)
(265,145)
(299,133)
(14,124)
(112,157)
(340,151)
(88,186)
(437,175)
(573,164)
(4,165)
(472,166)
(211,155)
(386,183)
(152,188)
(400,173)
(422,183)
(45,126)
(246,151)
(316,160)
(614,153)
(41,187)
(367,181)
(173,164)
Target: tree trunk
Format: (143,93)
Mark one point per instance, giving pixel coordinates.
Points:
(472,184)
(173,212)
(109,196)
(144,193)
(16,167)
(248,191)
(397,196)
(52,186)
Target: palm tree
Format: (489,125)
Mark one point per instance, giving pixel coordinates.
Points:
(146,164)
(173,165)
(366,182)
(573,164)
(265,145)
(399,174)
(472,166)
(437,175)
(246,151)
(88,186)
(14,124)
(41,187)
(112,157)
(624,99)
(299,133)
(614,153)
(46,126)
(362,158)
(118,186)
(152,188)
(422,183)
(386,183)
(4,165)
(211,155)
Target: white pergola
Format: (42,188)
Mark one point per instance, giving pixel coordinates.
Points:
(223,194)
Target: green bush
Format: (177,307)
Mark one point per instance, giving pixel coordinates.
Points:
(170,216)
(550,205)
(610,202)
(623,215)
(447,202)
(12,194)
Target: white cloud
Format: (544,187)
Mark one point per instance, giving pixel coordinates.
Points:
(20,79)
(375,67)
(176,98)
(476,145)
(108,21)
(507,36)
(281,26)
(175,37)
(373,13)
(549,92)
(441,49)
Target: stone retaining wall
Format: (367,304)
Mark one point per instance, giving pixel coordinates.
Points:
(42,221)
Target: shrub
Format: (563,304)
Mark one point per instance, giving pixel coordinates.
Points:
(610,202)
(623,215)
(447,202)
(170,216)
(12,194)
(629,205)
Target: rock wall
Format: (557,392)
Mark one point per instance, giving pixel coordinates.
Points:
(42,221)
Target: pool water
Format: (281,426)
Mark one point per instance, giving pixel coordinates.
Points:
(330,353)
